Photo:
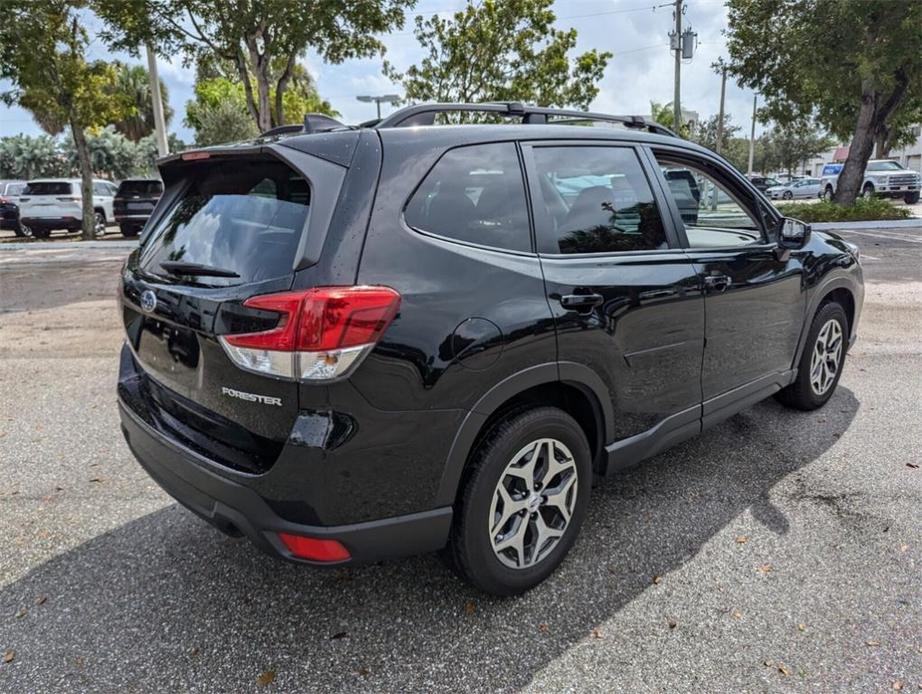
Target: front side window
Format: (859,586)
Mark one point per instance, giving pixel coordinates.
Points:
(245,218)
(714,217)
(597,200)
(476,195)
(884,166)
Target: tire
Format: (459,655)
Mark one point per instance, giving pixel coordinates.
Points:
(511,445)
(803,393)
(41,233)
(787,195)
(129,231)
(868,190)
(22,231)
(99,223)
(911,198)
(828,194)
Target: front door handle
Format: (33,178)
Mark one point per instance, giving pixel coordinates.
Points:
(581,302)
(717,283)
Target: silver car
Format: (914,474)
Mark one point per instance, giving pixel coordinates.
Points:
(798,188)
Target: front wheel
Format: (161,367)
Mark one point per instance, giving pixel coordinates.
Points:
(129,231)
(911,198)
(22,231)
(868,190)
(522,502)
(99,224)
(787,195)
(821,363)
(828,194)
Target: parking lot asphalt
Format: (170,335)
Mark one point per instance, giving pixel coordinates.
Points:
(780,551)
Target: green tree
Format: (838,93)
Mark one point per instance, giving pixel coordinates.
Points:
(855,66)
(705,133)
(262,39)
(147,154)
(501,50)
(26,157)
(112,155)
(664,114)
(42,53)
(225,120)
(789,145)
(133,81)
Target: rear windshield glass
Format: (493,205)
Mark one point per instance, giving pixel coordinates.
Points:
(47,188)
(246,218)
(140,188)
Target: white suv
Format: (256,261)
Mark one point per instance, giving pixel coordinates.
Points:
(882,178)
(57,203)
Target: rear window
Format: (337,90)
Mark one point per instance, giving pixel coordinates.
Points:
(48,188)
(246,218)
(145,188)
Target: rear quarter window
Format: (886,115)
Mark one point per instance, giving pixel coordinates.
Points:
(141,188)
(245,217)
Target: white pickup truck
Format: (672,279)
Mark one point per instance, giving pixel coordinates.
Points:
(882,178)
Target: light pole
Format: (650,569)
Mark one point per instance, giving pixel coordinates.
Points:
(378,100)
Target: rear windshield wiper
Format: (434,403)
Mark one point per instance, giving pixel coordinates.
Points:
(176,267)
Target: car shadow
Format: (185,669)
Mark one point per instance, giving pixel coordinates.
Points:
(166,602)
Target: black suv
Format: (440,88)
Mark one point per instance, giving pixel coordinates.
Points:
(350,344)
(134,201)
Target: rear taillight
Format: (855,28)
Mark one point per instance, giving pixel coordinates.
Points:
(322,333)
(4,201)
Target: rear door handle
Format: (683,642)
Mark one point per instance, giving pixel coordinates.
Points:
(581,302)
(718,283)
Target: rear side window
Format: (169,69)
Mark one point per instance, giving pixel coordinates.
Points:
(48,188)
(142,188)
(245,217)
(598,200)
(476,195)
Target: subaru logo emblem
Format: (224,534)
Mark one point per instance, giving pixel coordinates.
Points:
(148,301)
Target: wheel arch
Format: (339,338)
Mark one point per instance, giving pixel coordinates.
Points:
(572,387)
(841,290)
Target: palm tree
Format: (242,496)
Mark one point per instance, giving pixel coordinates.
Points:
(134,82)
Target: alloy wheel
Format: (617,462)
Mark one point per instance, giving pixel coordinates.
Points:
(827,356)
(533,503)
(99,224)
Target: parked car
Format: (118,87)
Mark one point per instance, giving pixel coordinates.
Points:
(882,178)
(134,201)
(57,203)
(763,183)
(9,206)
(355,344)
(799,188)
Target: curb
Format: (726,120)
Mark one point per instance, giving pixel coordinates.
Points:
(877,224)
(68,245)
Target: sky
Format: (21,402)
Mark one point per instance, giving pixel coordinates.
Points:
(636,31)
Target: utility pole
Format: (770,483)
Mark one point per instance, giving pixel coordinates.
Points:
(676,97)
(159,125)
(752,135)
(720,115)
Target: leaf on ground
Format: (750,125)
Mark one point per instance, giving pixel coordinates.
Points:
(802,627)
(469,607)
(40,600)
(736,614)
(904,547)
(9,655)
(764,569)
(363,671)
(657,580)
(872,643)
(897,685)
(544,628)
(22,613)
(96,479)
(742,539)
(783,669)
(912,465)
(339,635)
(673,623)
(266,678)
(194,651)
(596,633)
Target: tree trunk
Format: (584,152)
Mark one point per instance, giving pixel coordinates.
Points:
(280,88)
(859,151)
(882,143)
(86,180)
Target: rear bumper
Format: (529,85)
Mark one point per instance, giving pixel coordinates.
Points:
(52,222)
(139,218)
(236,509)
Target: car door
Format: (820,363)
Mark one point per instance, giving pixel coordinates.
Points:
(625,298)
(754,291)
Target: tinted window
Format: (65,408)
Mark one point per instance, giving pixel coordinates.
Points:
(714,215)
(246,218)
(597,200)
(47,188)
(141,188)
(476,195)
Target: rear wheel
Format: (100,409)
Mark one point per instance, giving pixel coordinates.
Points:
(522,502)
(41,233)
(129,231)
(868,190)
(911,198)
(99,223)
(822,361)
(22,231)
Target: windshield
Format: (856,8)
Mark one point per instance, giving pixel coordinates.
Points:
(884,166)
(245,219)
(47,188)
(146,188)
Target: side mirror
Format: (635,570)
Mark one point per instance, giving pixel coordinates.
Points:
(793,234)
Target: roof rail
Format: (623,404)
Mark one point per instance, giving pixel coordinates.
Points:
(424,114)
(313,123)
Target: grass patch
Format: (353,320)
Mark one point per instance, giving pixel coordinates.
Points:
(864,210)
